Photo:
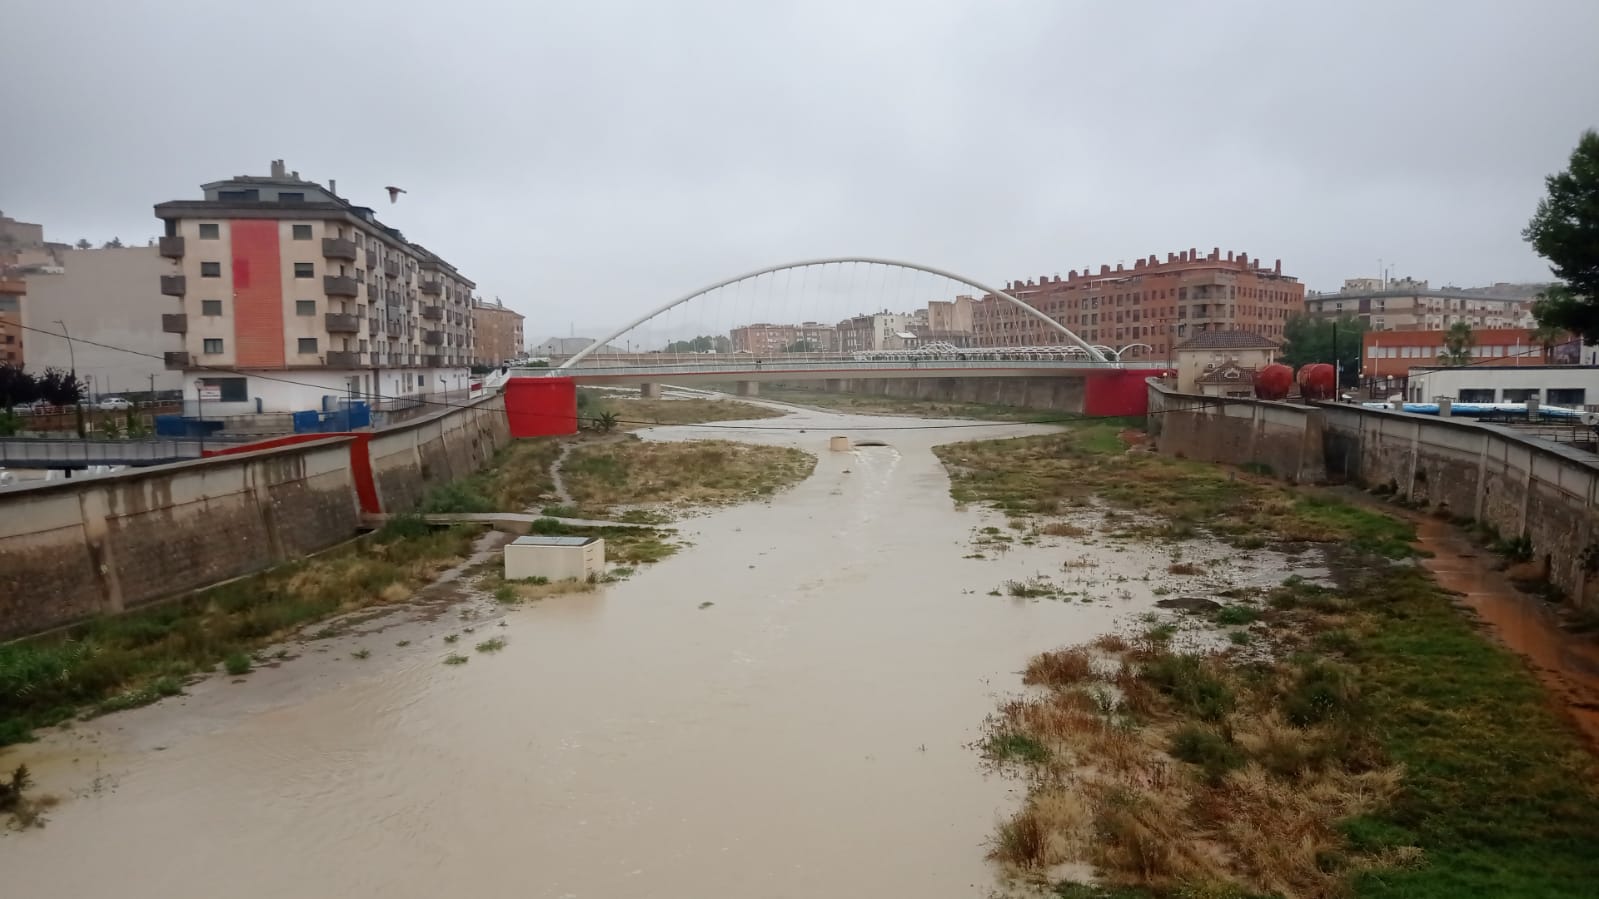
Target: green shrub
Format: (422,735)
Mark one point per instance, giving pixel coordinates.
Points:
(1209,750)
(1321,691)
(1191,684)
(237,663)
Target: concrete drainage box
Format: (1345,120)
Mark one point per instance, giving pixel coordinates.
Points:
(556,558)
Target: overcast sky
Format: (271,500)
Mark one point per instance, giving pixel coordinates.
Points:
(585,160)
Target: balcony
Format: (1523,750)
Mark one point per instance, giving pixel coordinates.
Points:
(392,329)
(172,247)
(433,361)
(174,285)
(433,338)
(340,286)
(431,288)
(371,261)
(176,360)
(342,323)
(344,359)
(433,313)
(338,248)
(175,323)
(391,267)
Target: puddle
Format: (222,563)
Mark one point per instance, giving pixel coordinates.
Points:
(1568,664)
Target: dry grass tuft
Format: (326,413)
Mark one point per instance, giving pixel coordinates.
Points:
(696,472)
(1111,643)
(1061,668)
(1184,568)
(395,592)
(1064,529)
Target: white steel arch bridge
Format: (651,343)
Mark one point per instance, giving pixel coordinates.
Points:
(601,361)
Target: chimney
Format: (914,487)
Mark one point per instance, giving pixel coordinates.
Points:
(1118,267)
(1153,260)
(1193,254)
(1171,258)
(1072,275)
(294,175)
(1278,267)
(1138,263)
(1215,253)
(333,187)
(1104,269)
(1243,259)
(277,168)
(1182,256)
(1229,255)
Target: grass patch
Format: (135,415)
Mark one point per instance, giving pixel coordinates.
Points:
(1236,616)
(494,644)
(122,661)
(865,404)
(1046,474)
(1015,747)
(362,653)
(636,412)
(455,658)
(697,472)
(236,663)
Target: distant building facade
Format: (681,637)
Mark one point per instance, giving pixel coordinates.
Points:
(763,338)
(497,332)
(1569,386)
(1405,304)
(1388,358)
(12,342)
(1155,303)
(107,300)
(876,331)
(1204,360)
(950,316)
(283,293)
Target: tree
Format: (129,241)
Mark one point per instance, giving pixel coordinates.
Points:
(1334,341)
(114,243)
(17,387)
(83,243)
(702,344)
(1546,336)
(1565,231)
(59,388)
(803,345)
(1458,341)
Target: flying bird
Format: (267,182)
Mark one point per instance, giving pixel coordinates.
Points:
(394,194)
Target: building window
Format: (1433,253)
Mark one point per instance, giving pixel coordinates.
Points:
(302,232)
(210,269)
(210,307)
(305,307)
(230,390)
(307,345)
(292,196)
(239,196)
(419,380)
(305,270)
(1519,394)
(1568,396)
(1477,395)
(210,231)
(213,345)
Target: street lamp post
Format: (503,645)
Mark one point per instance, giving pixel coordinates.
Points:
(72,359)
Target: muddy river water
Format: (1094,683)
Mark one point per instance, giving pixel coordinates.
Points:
(808,734)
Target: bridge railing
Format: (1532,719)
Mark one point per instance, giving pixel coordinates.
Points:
(47,452)
(845,367)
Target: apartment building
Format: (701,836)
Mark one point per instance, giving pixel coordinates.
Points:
(877,331)
(12,293)
(763,338)
(286,296)
(106,300)
(1404,304)
(498,332)
(1154,303)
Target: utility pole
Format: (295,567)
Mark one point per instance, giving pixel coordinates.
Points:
(72,358)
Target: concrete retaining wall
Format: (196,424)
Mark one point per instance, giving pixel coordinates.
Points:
(77,548)
(1062,394)
(1517,484)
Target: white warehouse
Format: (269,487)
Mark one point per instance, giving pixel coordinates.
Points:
(1572,386)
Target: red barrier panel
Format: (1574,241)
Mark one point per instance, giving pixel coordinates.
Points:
(537,407)
(366,488)
(1118,392)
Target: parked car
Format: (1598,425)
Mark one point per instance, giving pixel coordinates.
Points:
(113,404)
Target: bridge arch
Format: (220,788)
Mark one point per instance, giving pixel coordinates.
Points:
(1092,351)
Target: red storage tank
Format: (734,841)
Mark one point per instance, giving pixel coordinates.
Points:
(1274,381)
(1317,382)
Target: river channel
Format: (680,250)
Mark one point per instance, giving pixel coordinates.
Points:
(807,734)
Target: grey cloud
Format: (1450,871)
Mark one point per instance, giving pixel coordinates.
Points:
(604,155)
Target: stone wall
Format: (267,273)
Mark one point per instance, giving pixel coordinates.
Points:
(1282,438)
(77,548)
(1517,484)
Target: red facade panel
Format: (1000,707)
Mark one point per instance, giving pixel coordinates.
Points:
(257,295)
